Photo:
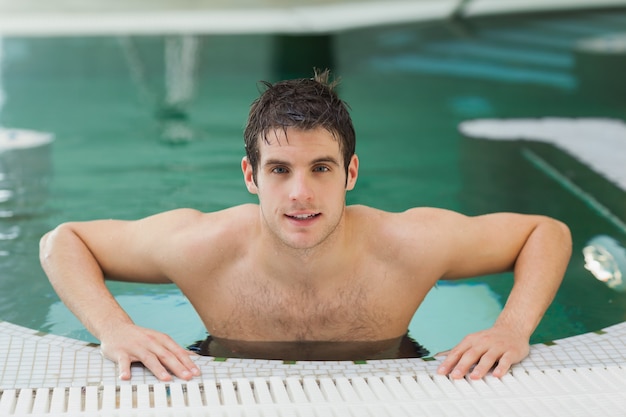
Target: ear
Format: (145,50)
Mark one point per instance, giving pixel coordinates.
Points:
(248,178)
(353,172)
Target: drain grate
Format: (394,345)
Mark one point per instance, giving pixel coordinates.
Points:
(546,393)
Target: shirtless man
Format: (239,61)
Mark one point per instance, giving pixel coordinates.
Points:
(300,265)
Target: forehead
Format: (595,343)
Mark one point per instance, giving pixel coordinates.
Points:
(284,141)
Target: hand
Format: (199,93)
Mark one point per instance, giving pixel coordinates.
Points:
(483,350)
(157,351)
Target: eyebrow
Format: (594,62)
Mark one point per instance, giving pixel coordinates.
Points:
(324,159)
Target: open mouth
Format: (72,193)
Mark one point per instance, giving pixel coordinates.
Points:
(308,216)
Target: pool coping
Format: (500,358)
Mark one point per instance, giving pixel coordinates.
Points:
(31,361)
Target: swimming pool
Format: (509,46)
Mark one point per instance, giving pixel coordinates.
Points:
(134,136)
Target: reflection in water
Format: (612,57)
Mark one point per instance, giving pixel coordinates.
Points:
(25,171)
(179,84)
(606,260)
(2,93)
(163,308)
(180,63)
(401,347)
(9,233)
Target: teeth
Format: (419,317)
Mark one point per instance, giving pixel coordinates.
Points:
(303,216)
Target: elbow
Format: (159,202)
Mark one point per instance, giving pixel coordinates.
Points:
(44,247)
(43,243)
(565,234)
(560,234)
(48,242)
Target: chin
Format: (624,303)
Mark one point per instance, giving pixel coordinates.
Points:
(301,244)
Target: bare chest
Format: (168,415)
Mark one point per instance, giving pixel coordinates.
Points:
(329,316)
(260,310)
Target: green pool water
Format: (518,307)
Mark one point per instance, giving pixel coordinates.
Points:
(135,136)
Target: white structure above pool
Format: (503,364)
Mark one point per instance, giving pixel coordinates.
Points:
(67,17)
(599,143)
(12,139)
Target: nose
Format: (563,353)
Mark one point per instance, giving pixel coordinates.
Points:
(300,188)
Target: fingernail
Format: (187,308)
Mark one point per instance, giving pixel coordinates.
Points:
(456,374)
(195,371)
(441,370)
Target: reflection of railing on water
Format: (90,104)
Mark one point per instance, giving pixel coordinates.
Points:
(178,85)
(25,171)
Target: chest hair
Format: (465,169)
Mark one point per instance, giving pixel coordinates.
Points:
(266,312)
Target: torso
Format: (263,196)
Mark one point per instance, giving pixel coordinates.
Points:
(371,295)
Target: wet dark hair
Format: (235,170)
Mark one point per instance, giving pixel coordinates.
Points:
(305,104)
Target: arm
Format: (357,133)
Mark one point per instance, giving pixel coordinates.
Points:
(537,249)
(77,256)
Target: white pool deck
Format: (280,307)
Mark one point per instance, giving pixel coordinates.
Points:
(43,374)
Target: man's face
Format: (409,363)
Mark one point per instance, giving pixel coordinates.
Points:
(301,184)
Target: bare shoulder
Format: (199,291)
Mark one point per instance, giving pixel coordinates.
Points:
(225,226)
(195,242)
(184,216)
(408,243)
(409,221)
(428,231)
(445,222)
(446,227)
(450,244)
(397,232)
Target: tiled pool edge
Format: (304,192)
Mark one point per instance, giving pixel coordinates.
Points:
(30,359)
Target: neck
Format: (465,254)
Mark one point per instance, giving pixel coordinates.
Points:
(306,266)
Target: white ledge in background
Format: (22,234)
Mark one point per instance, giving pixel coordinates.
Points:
(63,18)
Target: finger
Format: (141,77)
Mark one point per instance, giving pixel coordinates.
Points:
(123,365)
(154,365)
(504,364)
(185,357)
(122,361)
(189,363)
(178,361)
(179,369)
(450,362)
(469,359)
(483,366)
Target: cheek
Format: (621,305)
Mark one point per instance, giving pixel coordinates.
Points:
(268,195)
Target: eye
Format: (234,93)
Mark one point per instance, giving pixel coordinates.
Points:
(279,170)
(321,168)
